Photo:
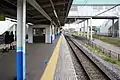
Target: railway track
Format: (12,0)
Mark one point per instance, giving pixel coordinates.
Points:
(89,67)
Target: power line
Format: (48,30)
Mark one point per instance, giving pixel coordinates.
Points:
(83,6)
(108,9)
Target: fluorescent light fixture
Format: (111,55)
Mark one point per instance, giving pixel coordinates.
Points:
(30,23)
(55,13)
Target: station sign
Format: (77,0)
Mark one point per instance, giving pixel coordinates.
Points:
(97,29)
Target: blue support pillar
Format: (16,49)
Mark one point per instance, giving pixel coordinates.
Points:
(20,55)
(51,39)
(55,35)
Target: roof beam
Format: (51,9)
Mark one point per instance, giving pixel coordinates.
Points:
(50,14)
(55,13)
(49,5)
(40,20)
(55,4)
(39,8)
(14,4)
(68,8)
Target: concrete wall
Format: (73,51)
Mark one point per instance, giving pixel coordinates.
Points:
(48,33)
(104,27)
(40,26)
(29,31)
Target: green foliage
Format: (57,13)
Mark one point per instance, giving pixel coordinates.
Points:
(110,40)
(99,53)
(114,61)
(98,50)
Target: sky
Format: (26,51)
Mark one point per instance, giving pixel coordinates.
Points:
(96,1)
(94,22)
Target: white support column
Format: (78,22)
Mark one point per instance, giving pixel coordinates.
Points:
(113,28)
(47,35)
(30,34)
(27,26)
(84,29)
(77,28)
(91,37)
(58,31)
(21,24)
(119,27)
(87,30)
(81,29)
(14,29)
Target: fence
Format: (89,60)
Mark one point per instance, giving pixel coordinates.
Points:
(105,51)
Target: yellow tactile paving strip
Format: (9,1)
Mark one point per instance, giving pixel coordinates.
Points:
(50,69)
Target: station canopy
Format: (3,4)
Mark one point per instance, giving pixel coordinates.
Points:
(9,9)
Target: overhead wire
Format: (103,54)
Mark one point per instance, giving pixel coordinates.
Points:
(107,10)
(82,7)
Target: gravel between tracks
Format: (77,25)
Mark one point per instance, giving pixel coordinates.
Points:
(91,69)
(81,74)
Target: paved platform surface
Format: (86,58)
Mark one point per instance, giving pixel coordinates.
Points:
(65,68)
(7,65)
(107,46)
(37,55)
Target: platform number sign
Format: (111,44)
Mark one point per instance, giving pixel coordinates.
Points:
(97,29)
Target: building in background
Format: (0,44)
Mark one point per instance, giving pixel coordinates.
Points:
(107,27)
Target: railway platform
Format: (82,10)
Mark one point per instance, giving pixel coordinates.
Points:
(43,62)
(55,62)
(60,66)
(37,57)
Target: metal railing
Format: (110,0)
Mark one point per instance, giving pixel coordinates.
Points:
(107,52)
